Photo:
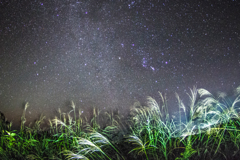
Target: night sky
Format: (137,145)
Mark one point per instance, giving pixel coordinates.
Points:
(108,54)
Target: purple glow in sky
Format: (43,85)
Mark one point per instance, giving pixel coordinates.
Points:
(109,54)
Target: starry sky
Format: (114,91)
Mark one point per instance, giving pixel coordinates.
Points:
(110,53)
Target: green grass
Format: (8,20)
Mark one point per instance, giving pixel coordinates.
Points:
(208,127)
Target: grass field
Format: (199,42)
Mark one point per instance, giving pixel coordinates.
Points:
(206,128)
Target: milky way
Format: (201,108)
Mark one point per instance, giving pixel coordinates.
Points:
(108,54)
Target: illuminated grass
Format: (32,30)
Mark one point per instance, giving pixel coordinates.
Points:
(208,127)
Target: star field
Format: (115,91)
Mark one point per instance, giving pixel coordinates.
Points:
(108,54)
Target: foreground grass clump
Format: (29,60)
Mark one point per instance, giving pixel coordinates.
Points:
(207,128)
